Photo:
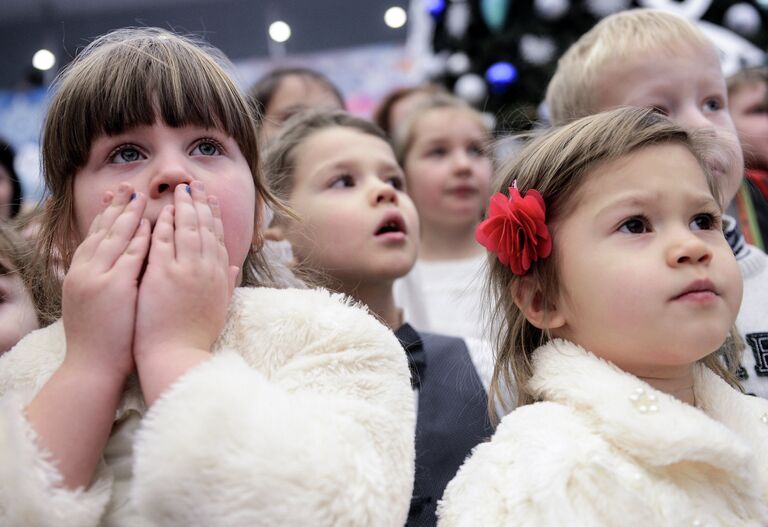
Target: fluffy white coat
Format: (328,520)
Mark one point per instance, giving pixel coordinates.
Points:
(303,416)
(604,448)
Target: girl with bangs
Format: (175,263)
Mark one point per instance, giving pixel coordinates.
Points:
(176,388)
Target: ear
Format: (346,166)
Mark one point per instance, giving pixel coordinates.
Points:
(529,299)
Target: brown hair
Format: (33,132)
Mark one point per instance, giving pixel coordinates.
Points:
(571,92)
(403,137)
(557,164)
(280,158)
(16,257)
(382,115)
(261,93)
(747,76)
(124,79)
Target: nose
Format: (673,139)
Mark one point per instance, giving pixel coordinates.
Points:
(170,171)
(688,250)
(384,193)
(462,163)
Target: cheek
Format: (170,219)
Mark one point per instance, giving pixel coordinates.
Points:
(238,214)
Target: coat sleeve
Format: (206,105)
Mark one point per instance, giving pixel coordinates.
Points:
(31,491)
(324,438)
(542,468)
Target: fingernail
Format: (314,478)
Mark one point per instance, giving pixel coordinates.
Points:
(186,187)
(133,196)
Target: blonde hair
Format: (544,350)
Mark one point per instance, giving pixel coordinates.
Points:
(404,136)
(124,79)
(557,164)
(747,77)
(571,93)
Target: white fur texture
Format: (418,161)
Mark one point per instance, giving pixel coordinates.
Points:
(303,416)
(587,455)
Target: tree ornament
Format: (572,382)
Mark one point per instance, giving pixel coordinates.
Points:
(457,64)
(743,19)
(551,9)
(457,19)
(494,13)
(471,88)
(537,50)
(603,8)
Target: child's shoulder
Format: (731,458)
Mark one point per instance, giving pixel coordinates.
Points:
(291,319)
(33,359)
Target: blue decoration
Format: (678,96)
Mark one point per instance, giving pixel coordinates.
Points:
(500,75)
(435,7)
(494,13)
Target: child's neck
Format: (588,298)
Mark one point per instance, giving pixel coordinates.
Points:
(678,384)
(442,243)
(380,301)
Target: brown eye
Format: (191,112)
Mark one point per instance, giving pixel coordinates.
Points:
(634,226)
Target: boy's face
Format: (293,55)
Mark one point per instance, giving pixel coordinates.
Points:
(648,279)
(356,224)
(750,115)
(688,86)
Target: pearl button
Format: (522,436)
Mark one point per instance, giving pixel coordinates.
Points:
(645,403)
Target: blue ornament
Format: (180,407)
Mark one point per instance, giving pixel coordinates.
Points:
(500,76)
(435,7)
(494,13)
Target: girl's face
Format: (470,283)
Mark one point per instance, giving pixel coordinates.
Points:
(154,159)
(447,167)
(17,311)
(648,280)
(6,193)
(357,223)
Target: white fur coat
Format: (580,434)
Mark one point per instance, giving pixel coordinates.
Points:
(606,449)
(303,416)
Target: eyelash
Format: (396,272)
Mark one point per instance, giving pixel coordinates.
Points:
(130,146)
(714,222)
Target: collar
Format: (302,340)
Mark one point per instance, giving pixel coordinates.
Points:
(411,342)
(734,237)
(728,432)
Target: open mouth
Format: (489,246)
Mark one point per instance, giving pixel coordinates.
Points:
(392,224)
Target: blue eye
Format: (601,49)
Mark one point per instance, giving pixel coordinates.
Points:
(713,105)
(343,181)
(125,154)
(476,150)
(207,147)
(635,225)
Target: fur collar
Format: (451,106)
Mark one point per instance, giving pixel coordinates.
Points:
(728,430)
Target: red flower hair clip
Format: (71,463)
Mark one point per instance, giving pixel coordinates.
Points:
(516,229)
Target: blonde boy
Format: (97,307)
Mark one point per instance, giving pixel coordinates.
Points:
(655,59)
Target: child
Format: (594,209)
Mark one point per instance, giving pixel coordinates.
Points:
(748,104)
(163,397)
(11,196)
(18,315)
(616,294)
(656,59)
(442,146)
(395,106)
(285,92)
(358,230)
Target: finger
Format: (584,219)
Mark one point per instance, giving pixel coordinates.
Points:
(234,278)
(187,229)
(209,245)
(162,244)
(132,260)
(218,228)
(89,243)
(119,236)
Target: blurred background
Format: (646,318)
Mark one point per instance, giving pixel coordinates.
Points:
(497,54)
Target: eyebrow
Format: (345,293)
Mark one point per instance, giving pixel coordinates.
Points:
(639,200)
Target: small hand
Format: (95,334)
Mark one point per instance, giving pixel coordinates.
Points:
(188,283)
(101,286)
